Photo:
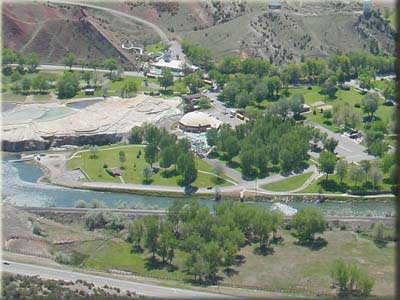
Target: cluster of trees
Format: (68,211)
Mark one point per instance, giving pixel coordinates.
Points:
(197,55)
(362,173)
(254,80)
(25,62)
(350,279)
(211,241)
(270,140)
(167,150)
(99,220)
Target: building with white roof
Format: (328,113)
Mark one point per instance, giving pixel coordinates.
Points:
(198,121)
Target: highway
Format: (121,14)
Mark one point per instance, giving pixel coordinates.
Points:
(145,289)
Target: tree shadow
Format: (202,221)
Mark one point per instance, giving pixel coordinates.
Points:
(381,244)
(147,182)
(166,92)
(331,185)
(137,249)
(229,272)
(239,260)
(264,251)
(168,173)
(153,263)
(314,245)
(233,164)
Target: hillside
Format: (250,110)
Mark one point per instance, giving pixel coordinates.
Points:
(53,31)
(236,27)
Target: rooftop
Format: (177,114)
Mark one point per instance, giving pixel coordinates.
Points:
(199,119)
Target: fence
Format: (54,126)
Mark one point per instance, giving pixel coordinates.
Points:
(291,290)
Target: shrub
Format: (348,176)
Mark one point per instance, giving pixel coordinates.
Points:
(81,204)
(36,229)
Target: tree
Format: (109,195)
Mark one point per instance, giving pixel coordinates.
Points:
(351,279)
(150,153)
(129,86)
(32,62)
(356,173)
(212,136)
(136,232)
(204,103)
(232,147)
(69,60)
(40,82)
(296,104)
(307,222)
(86,76)
(93,63)
(365,81)
(330,144)
(327,163)
(341,169)
(93,152)
(247,162)
(166,243)
(187,168)
(166,80)
(262,226)
(110,64)
(26,85)
(370,104)
(152,234)
(193,82)
(329,87)
(82,63)
(168,156)
(147,172)
(15,76)
(376,176)
(67,86)
(21,60)
(136,135)
(122,157)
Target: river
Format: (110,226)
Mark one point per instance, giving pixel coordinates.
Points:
(20,186)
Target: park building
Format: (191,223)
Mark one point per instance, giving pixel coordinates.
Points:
(197,121)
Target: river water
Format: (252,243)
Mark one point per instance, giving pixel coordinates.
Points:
(19,186)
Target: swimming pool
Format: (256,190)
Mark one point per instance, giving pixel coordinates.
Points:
(83,104)
(23,115)
(56,113)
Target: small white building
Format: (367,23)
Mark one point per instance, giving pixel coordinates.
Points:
(175,66)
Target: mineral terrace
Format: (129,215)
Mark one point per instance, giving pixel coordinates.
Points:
(80,122)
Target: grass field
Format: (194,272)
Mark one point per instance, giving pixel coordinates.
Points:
(333,185)
(292,265)
(159,47)
(288,184)
(282,269)
(132,173)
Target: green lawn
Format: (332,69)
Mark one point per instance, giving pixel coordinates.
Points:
(158,47)
(288,184)
(133,168)
(333,185)
(117,255)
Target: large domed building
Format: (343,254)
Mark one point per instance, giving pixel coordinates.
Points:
(197,121)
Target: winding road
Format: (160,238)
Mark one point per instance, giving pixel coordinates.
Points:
(145,289)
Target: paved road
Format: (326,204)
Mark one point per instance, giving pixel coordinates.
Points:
(149,290)
(349,149)
(76,68)
(158,30)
